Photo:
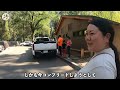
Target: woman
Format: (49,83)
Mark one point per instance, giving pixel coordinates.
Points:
(105,62)
(69,43)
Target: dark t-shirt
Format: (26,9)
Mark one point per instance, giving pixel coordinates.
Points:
(63,46)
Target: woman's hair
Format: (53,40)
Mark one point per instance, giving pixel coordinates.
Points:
(105,27)
(59,36)
(68,37)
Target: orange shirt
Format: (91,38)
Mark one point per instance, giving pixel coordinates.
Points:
(60,41)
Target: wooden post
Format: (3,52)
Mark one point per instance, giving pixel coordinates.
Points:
(82,52)
(91,54)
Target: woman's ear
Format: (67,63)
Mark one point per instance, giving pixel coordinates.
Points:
(108,35)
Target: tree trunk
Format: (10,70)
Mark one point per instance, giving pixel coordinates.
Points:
(32,37)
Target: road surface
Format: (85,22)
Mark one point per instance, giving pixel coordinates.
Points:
(17,63)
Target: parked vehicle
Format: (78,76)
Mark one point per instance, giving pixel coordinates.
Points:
(3,45)
(1,48)
(26,43)
(43,45)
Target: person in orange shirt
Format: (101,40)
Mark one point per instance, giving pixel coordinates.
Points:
(60,42)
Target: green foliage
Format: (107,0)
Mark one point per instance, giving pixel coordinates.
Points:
(24,25)
(111,15)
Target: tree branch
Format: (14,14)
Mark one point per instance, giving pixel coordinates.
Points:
(39,21)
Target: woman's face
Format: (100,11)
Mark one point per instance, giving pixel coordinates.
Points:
(95,39)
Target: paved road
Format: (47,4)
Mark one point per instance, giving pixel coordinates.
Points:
(18,63)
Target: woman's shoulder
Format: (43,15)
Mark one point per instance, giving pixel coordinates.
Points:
(103,56)
(104,60)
